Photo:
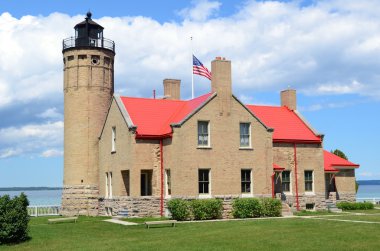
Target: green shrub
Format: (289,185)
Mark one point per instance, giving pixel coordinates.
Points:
(14,219)
(254,207)
(246,208)
(354,205)
(271,207)
(179,209)
(206,209)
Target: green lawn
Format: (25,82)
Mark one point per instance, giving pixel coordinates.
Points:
(273,234)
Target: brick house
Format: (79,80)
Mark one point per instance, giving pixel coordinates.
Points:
(141,152)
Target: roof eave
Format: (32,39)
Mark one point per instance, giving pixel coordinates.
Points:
(179,124)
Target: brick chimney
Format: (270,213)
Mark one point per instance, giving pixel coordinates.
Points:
(289,99)
(221,83)
(172,89)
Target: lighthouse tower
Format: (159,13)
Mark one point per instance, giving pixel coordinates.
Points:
(88,88)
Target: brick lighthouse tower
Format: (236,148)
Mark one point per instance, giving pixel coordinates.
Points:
(88,88)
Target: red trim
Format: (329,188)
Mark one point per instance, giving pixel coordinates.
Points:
(158,137)
(273,185)
(162,178)
(295,170)
(299,141)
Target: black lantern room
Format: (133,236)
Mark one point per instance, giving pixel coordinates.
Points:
(88,34)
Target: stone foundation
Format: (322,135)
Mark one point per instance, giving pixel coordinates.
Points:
(80,200)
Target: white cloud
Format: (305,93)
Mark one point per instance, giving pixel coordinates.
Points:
(201,10)
(31,139)
(52,153)
(51,113)
(328,48)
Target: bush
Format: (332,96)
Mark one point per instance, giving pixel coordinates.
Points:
(179,209)
(271,207)
(206,209)
(14,219)
(253,207)
(355,205)
(246,208)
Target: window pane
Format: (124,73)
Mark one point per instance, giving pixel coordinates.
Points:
(244,134)
(203,133)
(245,181)
(203,180)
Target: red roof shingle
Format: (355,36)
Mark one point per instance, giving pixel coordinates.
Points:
(332,161)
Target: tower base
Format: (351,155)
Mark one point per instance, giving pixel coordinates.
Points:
(80,200)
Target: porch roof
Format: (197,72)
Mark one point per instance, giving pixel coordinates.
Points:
(332,162)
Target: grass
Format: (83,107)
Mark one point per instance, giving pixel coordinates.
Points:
(142,220)
(312,213)
(92,233)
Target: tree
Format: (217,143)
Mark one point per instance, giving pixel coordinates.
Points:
(339,153)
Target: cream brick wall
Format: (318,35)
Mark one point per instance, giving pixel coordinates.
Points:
(131,154)
(224,158)
(345,181)
(309,158)
(88,89)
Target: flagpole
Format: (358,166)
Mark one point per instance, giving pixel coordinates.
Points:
(192,64)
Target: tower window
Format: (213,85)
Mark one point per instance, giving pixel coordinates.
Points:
(82,57)
(69,58)
(113,148)
(95,60)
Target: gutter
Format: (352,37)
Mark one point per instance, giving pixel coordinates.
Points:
(162,178)
(295,170)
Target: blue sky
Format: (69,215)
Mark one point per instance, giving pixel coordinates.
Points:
(328,50)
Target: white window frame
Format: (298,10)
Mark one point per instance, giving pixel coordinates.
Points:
(106,194)
(312,185)
(208,134)
(110,184)
(250,194)
(205,195)
(113,146)
(249,134)
(167,195)
(290,192)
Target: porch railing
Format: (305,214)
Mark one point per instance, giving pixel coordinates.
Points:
(44,210)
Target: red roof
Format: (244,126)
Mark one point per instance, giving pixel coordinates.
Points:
(153,117)
(332,161)
(287,125)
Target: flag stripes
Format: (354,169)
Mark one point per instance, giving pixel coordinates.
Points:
(199,69)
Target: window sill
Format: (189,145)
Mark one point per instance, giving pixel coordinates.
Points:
(246,195)
(309,193)
(204,196)
(288,193)
(168,196)
(245,148)
(204,147)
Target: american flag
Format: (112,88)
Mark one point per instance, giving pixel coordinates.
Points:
(199,69)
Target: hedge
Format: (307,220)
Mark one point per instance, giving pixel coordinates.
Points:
(355,205)
(203,209)
(14,219)
(206,209)
(254,207)
(179,209)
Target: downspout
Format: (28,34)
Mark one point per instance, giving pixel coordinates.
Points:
(162,178)
(295,170)
(273,174)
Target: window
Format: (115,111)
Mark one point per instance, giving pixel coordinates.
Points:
(113,149)
(125,176)
(309,206)
(203,133)
(106,185)
(109,185)
(204,181)
(168,184)
(146,182)
(308,181)
(246,181)
(245,139)
(286,181)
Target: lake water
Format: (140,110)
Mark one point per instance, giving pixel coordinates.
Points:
(53,197)
(40,197)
